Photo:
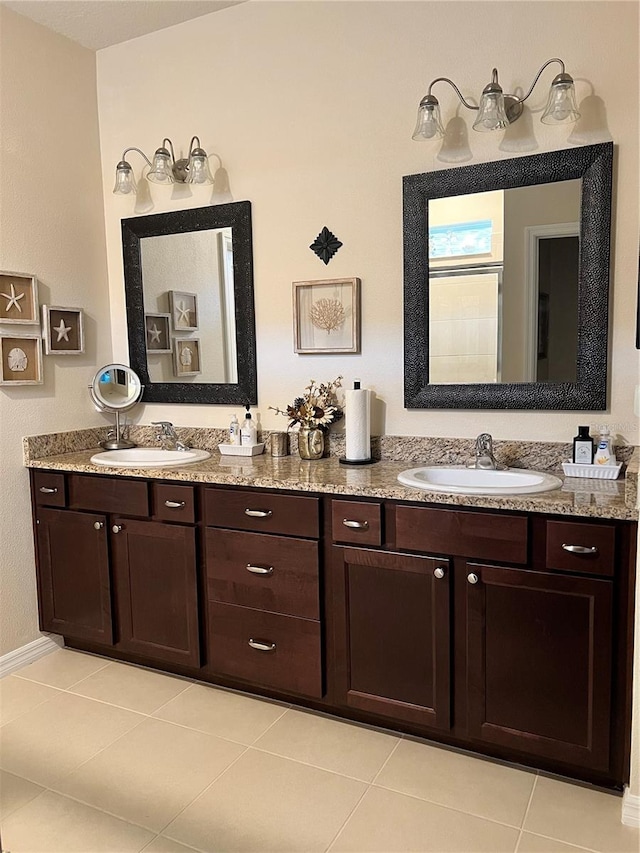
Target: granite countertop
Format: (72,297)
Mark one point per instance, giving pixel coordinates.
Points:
(577,497)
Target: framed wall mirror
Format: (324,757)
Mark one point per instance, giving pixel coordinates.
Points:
(190,306)
(506,283)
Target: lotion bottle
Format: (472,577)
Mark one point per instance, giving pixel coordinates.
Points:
(604,452)
(583,447)
(234,431)
(248,433)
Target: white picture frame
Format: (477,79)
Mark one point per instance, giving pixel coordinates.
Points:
(20,360)
(19,298)
(157,330)
(326,316)
(186,357)
(62,330)
(183,307)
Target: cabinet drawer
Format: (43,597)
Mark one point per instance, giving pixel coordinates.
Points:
(262,512)
(173,503)
(483,535)
(48,488)
(264,572)
(356,522)
(585,548)
(109,494)
(266,648)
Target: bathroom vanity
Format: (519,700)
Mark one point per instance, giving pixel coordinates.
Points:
(502,626)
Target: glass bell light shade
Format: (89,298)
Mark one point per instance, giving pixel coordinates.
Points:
(199,172)
(429,123)
(125,181)
(491,114)
(561,106)
(161,171)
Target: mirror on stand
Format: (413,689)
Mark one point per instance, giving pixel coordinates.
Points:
(116,389)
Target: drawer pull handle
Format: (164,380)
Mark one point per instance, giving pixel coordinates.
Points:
(47,491)
(472,577)
(261,646)
(259,570)
(98,525)
(175,504)
(258,513)
(580,549)
(439,572)
(116,528)
(355,525)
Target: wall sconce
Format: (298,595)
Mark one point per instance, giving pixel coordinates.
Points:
(165,169)
(497,110)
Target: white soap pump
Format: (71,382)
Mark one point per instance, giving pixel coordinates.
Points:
(248,433)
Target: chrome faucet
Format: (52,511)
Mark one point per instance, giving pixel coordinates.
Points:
(484,454)
(168,437)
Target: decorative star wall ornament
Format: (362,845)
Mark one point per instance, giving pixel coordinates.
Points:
(183,314)
(63,332)
(13,299)
(154,334)
(325,245)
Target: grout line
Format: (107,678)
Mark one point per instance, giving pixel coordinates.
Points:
(385,762)
(308,764)
(262,734)
(563,841)
(347,819)
(526,811)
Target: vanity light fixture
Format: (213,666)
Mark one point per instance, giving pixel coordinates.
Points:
(497,110)
(165,169)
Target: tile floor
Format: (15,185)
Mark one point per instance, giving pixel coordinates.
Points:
(102,757)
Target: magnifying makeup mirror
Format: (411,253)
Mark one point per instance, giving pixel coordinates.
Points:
(116,388)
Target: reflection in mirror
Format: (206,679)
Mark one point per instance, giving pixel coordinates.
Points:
(503,285)
(506,279)
(115,388)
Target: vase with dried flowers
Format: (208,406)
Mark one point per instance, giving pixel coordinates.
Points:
(313,413)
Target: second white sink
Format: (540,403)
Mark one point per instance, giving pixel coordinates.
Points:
(458,479)
(148,457)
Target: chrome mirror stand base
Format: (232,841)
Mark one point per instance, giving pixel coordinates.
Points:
(117,441)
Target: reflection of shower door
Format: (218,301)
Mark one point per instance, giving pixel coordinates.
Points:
(551,349)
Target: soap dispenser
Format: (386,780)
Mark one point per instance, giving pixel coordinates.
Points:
(604,452)
(248,433)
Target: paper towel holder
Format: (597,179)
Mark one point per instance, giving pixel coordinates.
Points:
(343,459)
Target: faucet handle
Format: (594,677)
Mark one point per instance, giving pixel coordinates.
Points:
(163,424)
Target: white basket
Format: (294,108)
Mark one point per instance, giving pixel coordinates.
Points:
(595,472)
(241,449)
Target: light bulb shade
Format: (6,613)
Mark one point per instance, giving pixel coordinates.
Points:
(125,181)
(561,106)
(491,113)
(161,171)
(198,169)
(429,123)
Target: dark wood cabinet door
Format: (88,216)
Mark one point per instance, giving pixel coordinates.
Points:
(73,574)
(539,663)
(156,594)
(393,622)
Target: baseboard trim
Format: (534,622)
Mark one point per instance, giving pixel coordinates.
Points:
(630,809)
(28,654)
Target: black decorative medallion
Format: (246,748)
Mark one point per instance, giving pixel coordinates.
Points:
(325,245)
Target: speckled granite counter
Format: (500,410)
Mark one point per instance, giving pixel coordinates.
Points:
(577,497)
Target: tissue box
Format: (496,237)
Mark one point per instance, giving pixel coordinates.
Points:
(597,472)
(241,449)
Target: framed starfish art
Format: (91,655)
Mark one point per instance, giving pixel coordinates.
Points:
(63,330)
(158,334)
(18,298)
(184,310)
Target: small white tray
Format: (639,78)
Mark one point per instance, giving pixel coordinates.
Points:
(241,449)
(596,472)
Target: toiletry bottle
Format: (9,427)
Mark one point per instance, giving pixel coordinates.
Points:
(604,453)
(248,433)
(234,431)
(583,447)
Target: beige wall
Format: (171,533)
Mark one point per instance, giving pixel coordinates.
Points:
(52,226)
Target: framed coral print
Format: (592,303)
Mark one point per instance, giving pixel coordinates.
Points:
(186,356)
(63,330)
(157,333)
(18,298)
(326,316)
(21,360)
(184,310)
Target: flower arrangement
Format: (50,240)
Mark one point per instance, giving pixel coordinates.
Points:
(317,408)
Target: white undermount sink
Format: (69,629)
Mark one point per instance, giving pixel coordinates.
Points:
(460,480)
(148,457)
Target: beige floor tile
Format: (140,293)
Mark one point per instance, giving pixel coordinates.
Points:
(62,668)
(530,843)
(265,803)
(458,781)
(330,744)
(166,845)
(17,696)
(386,822)
(55,824)
(580,816)
(15,792)
(56,737)
(222,713)
(131,687)
(149,775)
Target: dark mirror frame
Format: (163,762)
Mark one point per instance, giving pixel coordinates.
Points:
(593,164)
(236,216)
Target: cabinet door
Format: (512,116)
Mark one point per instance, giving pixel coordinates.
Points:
(393,635)
(73,569)
(155,573)
(539,663)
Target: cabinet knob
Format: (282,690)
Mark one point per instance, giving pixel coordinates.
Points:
(258,513)
(438,572)
(472,577)
(355,525)
(98,525)
(175,504)
(580,549)
(47,491)
(262,645)
(116,528)
(259,570)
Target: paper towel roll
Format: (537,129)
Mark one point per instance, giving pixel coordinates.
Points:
(358,428)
